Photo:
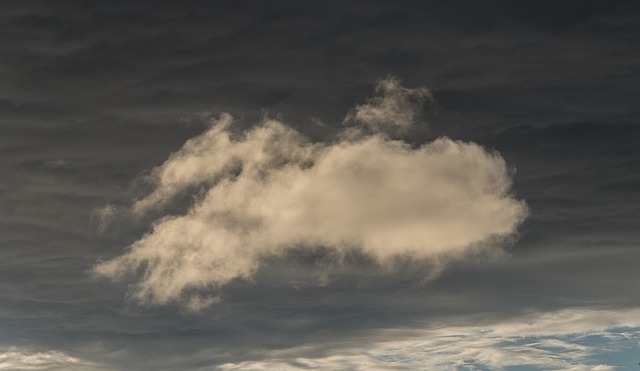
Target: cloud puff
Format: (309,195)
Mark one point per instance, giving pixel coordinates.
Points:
(395,110)
(269,189)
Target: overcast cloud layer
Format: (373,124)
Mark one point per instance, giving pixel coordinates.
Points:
(113,134)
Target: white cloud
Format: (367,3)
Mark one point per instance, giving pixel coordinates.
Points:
(270,189)
(554,341)
(20,359)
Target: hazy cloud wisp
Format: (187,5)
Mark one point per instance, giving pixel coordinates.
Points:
(395,110)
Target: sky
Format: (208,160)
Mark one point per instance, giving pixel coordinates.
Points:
(335,185)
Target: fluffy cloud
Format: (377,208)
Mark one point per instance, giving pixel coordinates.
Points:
(571,339)
(269,189)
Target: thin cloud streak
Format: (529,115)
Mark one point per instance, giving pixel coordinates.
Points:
(554,340)
(17,359)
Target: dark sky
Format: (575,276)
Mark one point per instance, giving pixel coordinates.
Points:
(94,95)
